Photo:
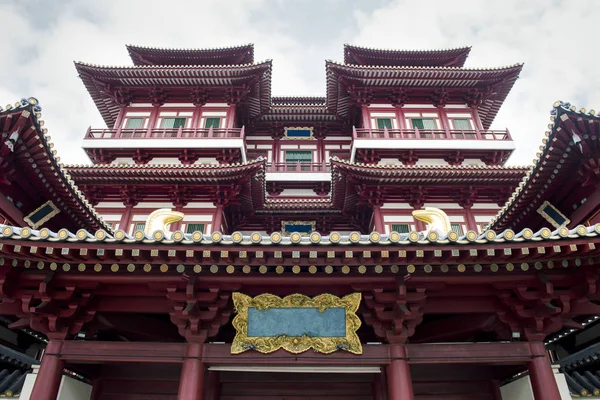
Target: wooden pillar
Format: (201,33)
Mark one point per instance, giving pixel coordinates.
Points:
(379,387)
(398,375)
(444,121)
(48,378)
(213,386)
(217,220)
(477,120)
(541,374)
(119,121)
(378,223)
(400,118)
(126,218)
(192,374)
(152,120)
(366,117)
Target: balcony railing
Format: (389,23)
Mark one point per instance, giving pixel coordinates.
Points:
(297,167)
(166,133)
(428,134)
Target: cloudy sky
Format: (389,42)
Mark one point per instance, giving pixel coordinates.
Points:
(555,39)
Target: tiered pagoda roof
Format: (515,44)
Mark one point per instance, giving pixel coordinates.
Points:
(38,174)
(347,84)
(112,86)
(417,58)
(236,55)
(563,171)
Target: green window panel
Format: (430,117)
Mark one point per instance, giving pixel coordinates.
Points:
(401,228)
(424,123)
(293,156)
(457,228)
(462,124)
(214,123)
(139,226)
(134,123)
(384,123)
(174,123)
(191,228)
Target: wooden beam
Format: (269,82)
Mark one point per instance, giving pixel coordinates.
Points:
(373,355)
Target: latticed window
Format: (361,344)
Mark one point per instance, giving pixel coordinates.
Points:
(293,156)
(401,228)
(139,226)
(134,123)
(384,123)
(191,228)
(214,123)
(457,228)
(423,123)
(462,124)
(175,123)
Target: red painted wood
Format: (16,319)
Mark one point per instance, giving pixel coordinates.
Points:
(48,379)
(543,382)
(398,375)
(192,374)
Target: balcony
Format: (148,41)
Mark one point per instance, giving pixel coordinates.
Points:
(493,146)
(298,172)
(166,133)
(224,144)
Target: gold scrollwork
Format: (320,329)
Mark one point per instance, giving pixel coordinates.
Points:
(296,344)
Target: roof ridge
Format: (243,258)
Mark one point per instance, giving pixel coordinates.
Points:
(133,46)
(405,67)
(546,144)
(133,67)
(347,45)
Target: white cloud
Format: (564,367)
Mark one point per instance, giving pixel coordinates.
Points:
(555,40)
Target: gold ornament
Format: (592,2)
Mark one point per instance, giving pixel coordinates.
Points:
(296,344)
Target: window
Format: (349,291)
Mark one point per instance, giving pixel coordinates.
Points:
(214,123)
(384,123)
(139,226)
(175,123)
(462,124)
(294,156)
(423,123)
(191,228)
(457,228)
(400,228)
(134,123)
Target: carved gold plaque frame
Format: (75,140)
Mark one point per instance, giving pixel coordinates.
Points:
(296,344)
(46,218)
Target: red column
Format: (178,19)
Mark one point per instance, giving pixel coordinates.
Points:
(541,374)
(213,386)
(217,219)
(398,375)
(48,378)
(378,223)
(192,374)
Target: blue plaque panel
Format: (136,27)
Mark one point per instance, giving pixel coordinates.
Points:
(296,322)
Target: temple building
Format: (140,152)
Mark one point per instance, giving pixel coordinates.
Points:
(371,244)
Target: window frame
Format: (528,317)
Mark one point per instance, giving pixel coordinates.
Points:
(466,119)
(163,119)
(127,119)
(412,123)
(389,119)
(187,227)
(299,150)
(206,119)
(407,225)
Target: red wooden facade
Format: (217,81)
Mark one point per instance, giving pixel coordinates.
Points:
(444,315)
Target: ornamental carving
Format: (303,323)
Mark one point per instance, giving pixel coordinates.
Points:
(322,338)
